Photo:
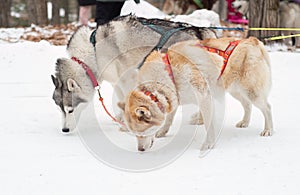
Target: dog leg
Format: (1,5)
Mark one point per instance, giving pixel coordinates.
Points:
(265,108)
(168,122)
(196,119)
(207,114)
(247,110)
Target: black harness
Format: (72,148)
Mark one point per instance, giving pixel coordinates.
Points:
(165,32)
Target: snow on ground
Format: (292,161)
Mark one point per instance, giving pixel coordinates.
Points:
(37,159)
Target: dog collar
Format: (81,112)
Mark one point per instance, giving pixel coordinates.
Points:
(97,87)
(154,98)
(88,72)
(225,54)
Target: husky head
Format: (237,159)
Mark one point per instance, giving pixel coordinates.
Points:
(72,87)
(242,6)
(143,118)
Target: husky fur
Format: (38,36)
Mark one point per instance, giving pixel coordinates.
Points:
(247,77)
(120,45)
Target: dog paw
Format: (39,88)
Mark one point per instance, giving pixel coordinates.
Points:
(119,117)
(266,132)
(161,133)
(196,119)
(207,146)
(123,129)
(242,124)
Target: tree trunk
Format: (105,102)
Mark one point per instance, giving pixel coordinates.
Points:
(55,12)
(41,10)
(222,10)
(31,9)
(263,13)
(37,12)
(5,13)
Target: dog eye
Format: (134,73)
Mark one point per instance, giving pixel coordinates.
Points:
(68,109)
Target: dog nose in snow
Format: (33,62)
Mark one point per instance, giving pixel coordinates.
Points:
(65,130)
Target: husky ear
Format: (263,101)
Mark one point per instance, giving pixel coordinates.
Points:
(121,105)
(56,81)
(72,85)
(142,112)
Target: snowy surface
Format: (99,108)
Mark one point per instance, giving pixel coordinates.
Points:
(143,9)
(37,159)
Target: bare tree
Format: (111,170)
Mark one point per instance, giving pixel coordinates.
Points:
(55,12)
(222,9)
(37,11)
(263,13)
(5,13)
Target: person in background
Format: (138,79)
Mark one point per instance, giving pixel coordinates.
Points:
(107,10)
(85,7)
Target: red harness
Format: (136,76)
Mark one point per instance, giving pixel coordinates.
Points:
(153,98)
(168,68)
(225,54)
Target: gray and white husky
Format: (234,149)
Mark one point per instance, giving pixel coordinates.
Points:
(119,45)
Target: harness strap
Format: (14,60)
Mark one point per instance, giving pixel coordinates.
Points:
(225,54)
(168,67)
(93,37)
(165,33)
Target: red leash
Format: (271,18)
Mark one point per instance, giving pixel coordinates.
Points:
(107,112)
(96,86)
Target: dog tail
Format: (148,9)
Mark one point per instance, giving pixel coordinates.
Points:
(265,53)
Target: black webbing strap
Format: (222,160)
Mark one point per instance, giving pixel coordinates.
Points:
(93,38)
(165,36)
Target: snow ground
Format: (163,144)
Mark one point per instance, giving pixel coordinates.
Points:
(37,159)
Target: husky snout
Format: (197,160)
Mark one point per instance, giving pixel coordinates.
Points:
(69,122)
(65,130)
(145,142)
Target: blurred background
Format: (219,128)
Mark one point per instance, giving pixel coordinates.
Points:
(63,15)
(16,13)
